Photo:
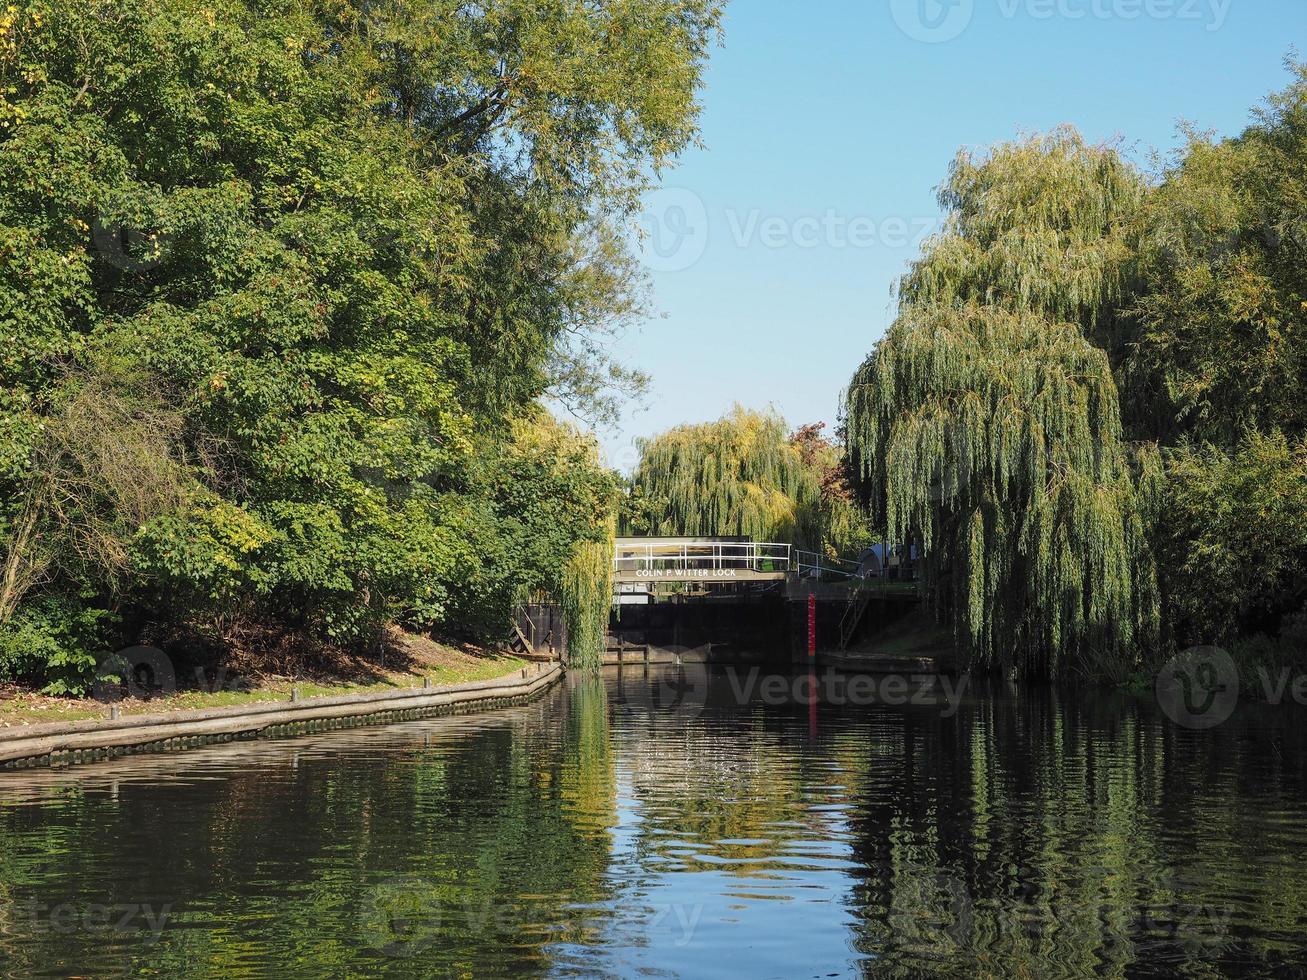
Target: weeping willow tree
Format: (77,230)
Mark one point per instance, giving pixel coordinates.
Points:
(986,426)
(740,475)
(587,597)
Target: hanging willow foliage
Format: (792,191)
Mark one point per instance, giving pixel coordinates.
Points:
(986,424)
(586,780)
(739,475)
(587,596)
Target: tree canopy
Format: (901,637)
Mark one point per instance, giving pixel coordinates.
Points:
(745,475)
(986,424)
(308,268)
(1091,371)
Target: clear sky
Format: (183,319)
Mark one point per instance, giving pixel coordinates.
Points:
(827,127)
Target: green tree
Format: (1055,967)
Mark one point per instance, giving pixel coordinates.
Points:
(986,424)
(347,246)
(1221,339)
(1234,537)
(745,475)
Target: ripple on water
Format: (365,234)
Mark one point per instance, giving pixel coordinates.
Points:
(1033,835)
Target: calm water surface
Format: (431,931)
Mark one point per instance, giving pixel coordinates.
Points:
(678,825)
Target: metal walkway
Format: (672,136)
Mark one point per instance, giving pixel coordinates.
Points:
(641,564)
(721,560)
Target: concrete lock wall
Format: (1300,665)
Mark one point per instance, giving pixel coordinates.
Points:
(734,629)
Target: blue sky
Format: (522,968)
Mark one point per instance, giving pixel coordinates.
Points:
(828,125)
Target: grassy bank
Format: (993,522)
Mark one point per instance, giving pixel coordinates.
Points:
(915,635)
(410,661)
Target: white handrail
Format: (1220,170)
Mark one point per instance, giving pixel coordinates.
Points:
(679,555)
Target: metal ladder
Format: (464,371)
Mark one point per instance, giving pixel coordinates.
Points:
(857,608)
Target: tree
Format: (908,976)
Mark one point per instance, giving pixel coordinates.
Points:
(348,247)
(1234,537)
(743,475)
(1222,329)
(836,521)
(986,424)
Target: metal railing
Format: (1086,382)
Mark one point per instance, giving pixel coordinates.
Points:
(811,564)
(673,557)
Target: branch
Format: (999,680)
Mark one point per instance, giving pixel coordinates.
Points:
(491,101)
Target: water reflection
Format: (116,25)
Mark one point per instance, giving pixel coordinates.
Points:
(669,824)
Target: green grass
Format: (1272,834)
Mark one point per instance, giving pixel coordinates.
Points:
(916,635)
(35,709)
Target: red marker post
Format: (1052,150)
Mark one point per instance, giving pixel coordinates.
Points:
(812,665)
(812,627)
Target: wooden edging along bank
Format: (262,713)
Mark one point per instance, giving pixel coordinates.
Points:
(72,743)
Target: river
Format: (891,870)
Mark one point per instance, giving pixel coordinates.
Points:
(679,824)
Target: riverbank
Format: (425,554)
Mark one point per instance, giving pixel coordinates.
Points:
(914,644)
(75,742)
(410,662)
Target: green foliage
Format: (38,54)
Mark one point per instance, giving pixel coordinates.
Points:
(542,497)
(735,476)
(744,475)
(1222,329)
(1234,537)
(345,249)
(835,524)
(56,641)
(1044,224)
(1268,659)
(986,427)
(1068,307)
(587,597)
